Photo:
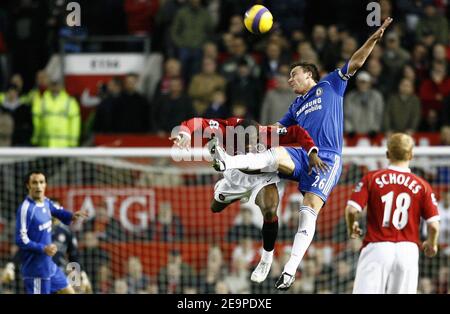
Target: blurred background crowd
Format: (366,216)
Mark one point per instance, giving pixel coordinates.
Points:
(212,67)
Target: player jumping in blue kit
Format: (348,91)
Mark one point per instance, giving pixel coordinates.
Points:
(34,238)
(319,110)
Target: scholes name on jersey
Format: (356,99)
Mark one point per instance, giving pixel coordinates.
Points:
(400,179)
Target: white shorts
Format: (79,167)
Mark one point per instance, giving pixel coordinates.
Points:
(237,185)
(387,267)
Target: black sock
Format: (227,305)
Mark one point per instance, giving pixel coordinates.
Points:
(269,233)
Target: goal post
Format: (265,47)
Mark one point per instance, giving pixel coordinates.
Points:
(150,228)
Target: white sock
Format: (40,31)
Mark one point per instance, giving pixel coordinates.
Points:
(267,256)
(303,238)
(265,161)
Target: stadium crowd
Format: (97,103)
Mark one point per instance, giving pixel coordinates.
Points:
(214,68)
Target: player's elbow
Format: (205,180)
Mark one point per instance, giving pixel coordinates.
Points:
(351,211)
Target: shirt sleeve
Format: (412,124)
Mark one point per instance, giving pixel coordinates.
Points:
(430,211)
(338,79)
(59,212)
(297,135)
(288,119)
(22,239)
(360,194)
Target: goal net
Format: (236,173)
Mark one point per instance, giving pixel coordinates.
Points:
(150,228)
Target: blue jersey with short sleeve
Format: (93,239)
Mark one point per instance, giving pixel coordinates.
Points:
(320,111)
(33,234)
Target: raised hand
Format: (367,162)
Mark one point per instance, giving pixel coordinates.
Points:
(182,140)
(380,31)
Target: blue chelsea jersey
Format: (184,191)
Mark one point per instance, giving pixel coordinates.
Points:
(33,234)
(320,111)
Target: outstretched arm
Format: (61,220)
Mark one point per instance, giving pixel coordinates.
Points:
(360,56)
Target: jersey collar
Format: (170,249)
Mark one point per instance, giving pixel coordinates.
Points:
(399,169)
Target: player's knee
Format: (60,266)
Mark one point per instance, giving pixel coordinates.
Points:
(270,214)
(217,208)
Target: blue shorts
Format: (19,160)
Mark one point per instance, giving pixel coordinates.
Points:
(316,183)
(46,285)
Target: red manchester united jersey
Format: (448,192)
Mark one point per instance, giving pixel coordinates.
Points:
(286,136)
(396,199)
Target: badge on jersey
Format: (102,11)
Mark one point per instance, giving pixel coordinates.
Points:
(319,91)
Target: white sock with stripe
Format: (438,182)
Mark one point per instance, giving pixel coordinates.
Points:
(265,161)
(303,237)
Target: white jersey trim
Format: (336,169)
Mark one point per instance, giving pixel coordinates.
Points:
(354,204)
(434,218)
(23,222)
(399,169)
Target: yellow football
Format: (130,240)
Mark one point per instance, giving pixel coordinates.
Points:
(258,19)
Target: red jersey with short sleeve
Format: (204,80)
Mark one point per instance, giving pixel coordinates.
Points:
(205,128)
(396,199)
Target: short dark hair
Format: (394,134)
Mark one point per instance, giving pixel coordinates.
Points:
(308,67)
(28,176)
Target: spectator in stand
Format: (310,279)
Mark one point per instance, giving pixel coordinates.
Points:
(432,24)
(246,89)
(402,112)
(162,41)
(42,82)
(176,275)
(6,128)
(93,257)
(440,54)
(277,100)
(210,50)
(425,286)
(430,122)
(120,286)
(206,82)
(290,14)
(212,274)
(290,225)
(172,109)
(172,70)
(104,226)
(167,227)
(140,16)
(136,280)
(218,107)
(394,59)
(433,90)
(131,112)
(410,74)
(363,107)
(237,277)
(319,41)
(306,53)
(331,54)
(191,28)
(349,46)
(375,69)
(21,116)
(240,110)
(419,61)
(271,62)
(103,122)
(238,52)
(56,118)
(245,228)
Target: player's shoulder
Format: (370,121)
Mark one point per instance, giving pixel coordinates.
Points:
(422,181)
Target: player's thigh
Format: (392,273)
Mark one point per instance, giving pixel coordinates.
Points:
(60,284)
(405,274)
(267,199)
(286,165)
(319,185)
(374,267)
(225,193)
(36,286)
